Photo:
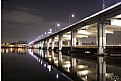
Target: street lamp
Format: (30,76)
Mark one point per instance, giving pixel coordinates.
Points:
(103,4)
(50,31)
(56,26)
(71,16)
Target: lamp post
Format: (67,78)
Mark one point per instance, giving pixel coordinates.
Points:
(57,25)
(50,31)
(71,16)
(103,4)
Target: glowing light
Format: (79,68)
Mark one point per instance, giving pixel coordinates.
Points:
(57,76)
(81,36)
(58,25)
(72,15)
(44,65)
(41,62)
(84,32)
(66,35)
(118,16)
(49,67)
(85,72)
(107,31)
(116,22)
(82,66)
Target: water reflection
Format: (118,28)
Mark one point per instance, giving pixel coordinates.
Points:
(45,64)
(13,50)
(84,69)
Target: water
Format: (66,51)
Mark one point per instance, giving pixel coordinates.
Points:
(30,65)
(19,65)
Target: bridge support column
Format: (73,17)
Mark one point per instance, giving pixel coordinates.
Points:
(60,42)
(60,59)
(101,37)
(48,44)
(101,47)
(73,38)
(53,43)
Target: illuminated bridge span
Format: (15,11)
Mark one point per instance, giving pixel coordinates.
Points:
(95,27)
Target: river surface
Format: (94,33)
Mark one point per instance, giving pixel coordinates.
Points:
(37,65)
(19,65)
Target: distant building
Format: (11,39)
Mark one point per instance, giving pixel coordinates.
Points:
(21,44)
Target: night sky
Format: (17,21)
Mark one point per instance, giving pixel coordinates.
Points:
(27,19)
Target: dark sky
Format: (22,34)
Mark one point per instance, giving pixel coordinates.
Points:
(28,19)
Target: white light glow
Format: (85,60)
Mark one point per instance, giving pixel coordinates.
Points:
(81,36)
(85,72)
(72,15)
(116,22)
(118,16)
(67,36)
(107,31)
(57,76)
(82,66)
(44,65)
(58,25)
(84,32)
(49,67)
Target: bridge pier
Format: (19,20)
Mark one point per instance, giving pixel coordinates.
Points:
(73,38)
(53,43)
(48,44)
(101,47)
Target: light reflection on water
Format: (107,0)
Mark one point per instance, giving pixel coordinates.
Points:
(13,50)
(50,69)
(85,69)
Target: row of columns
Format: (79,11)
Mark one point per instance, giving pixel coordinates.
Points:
(101,38)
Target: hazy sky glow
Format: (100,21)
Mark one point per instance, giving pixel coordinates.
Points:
(28,19)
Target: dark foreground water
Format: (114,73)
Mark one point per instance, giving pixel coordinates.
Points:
(29,65)
(18,65)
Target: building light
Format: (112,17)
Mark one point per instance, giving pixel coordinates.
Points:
(116,22)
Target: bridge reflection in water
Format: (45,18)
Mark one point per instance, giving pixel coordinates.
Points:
(77,68)
(81,68)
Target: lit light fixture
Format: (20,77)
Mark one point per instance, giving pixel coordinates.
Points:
(81,36)
(118,16)
(72,15)
(116,22)
(58,25)
(84,72)
(84,32)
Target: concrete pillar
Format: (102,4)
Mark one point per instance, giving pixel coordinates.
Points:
(53,43)
(101,35)
(101,69)
(60,42)
(73,65)
(48,45)
(73,38)
(60,59)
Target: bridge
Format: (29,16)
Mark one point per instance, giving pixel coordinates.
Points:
(95,28)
